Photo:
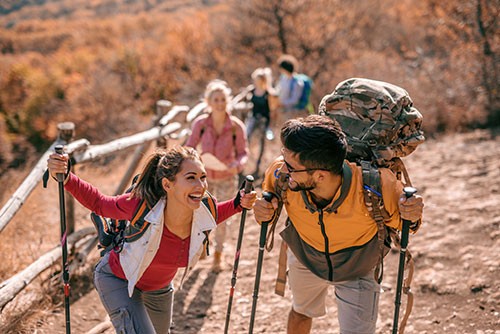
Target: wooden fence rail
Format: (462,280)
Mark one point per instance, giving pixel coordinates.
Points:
(10,288)
(15,202)
(82,151)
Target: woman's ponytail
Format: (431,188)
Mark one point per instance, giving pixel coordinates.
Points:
(147,187)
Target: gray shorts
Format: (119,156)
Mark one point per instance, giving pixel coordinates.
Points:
(357,300)
(146,312)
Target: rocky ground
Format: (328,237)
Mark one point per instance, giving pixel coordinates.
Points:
(457,259)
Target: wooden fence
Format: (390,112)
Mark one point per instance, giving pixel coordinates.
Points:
(173,124)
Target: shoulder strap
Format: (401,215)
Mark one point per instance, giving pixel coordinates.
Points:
(138,225)
(372,190)
(375,204)
(233,128)
(204,125)
(209,201)
(293,81)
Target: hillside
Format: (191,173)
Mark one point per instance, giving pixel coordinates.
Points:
(103,64)
(457,268)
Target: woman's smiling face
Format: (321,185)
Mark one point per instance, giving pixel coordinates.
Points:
(189,185)
(218,101)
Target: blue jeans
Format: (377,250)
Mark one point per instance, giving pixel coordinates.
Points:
(146,312)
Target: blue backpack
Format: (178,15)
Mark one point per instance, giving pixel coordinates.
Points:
(306,92)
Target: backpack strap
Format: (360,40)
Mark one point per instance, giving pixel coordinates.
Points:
(209,201)
(372,190)
(375,204)
(293,81)
(138,225)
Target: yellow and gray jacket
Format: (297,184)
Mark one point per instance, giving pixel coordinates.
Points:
(338,242)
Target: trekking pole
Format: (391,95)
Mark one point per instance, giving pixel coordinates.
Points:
(262,243)
(64,244)
(405,232)
(248,187)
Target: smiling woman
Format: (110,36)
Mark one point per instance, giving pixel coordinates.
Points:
(220,135)
(135,283)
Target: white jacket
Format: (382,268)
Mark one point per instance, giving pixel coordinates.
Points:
(136,256)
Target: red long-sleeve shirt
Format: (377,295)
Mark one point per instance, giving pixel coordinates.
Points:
(173,252)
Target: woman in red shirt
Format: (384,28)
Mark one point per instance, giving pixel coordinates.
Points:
(135,285)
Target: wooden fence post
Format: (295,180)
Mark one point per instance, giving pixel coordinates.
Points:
(161,109)
(66,132)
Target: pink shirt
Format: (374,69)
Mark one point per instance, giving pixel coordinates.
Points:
(173,252)
(229,146)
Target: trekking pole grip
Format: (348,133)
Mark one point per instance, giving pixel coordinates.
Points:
(409,192)
(248,183)
(59,149)
(268,197)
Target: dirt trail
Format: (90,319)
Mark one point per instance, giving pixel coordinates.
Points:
(457,258)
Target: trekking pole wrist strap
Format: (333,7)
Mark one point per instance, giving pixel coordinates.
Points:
(47,175)
(66,175)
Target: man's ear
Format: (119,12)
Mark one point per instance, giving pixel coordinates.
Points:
(321,175)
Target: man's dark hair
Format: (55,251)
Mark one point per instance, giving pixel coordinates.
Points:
(317,140)
(288,63)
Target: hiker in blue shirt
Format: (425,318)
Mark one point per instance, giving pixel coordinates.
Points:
(290,89)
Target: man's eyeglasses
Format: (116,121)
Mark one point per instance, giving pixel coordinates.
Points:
(293,170)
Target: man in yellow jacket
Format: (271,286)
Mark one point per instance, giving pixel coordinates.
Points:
(331,236)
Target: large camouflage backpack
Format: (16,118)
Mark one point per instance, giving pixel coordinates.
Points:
(379,121)
(378,118)
(381,126)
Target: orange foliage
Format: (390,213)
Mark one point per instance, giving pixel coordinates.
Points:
(104,64)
